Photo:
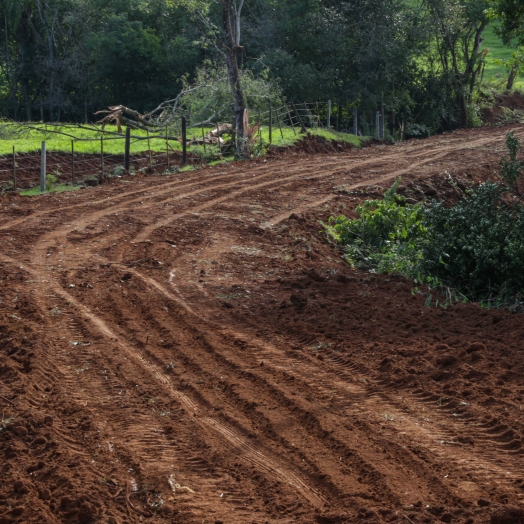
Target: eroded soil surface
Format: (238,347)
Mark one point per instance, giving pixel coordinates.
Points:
(193,349)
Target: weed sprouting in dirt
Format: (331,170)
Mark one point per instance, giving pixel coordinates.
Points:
(50,181)
(54,188)
(5,422)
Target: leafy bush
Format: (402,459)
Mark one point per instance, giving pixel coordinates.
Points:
(511,168)
(214,98)
(475,247)
(385,236)
(417,131)
(207,154)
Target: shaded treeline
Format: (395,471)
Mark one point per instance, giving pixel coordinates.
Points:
(61,60)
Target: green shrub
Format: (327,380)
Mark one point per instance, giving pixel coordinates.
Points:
(477,245)
(385,236)
(511,167)
(474,249)
(50,181)
(207,154)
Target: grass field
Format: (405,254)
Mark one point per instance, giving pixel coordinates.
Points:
(497,51)
(89,141)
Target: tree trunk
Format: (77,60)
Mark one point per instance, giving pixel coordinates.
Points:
(471,72)
(239,104)
(231,26)
(27,103)
(23,36)
(511,77)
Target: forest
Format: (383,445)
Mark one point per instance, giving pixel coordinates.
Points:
(423,60)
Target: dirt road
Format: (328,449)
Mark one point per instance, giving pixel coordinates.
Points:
(191,349)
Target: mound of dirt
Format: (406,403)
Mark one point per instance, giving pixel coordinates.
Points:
(313,145)
(508,108)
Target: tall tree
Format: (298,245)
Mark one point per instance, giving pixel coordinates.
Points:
(225,37)
(458,26)
(511,15)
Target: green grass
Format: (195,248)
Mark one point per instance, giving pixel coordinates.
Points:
(497,51)
(223,161)
(58,188)
(290,137)
(87,141)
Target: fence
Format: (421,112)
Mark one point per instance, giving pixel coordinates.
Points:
(339,117)
(25,170)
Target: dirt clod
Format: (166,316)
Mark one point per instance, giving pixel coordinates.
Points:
(86,513)
(476,346)
(507,515)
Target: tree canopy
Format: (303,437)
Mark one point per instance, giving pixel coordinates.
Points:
(65,59)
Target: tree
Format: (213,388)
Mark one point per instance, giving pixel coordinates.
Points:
(511,15)
(226,40)
(458,26)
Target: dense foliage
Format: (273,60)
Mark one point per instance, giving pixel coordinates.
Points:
(385,236)
(475,247)
(65,59)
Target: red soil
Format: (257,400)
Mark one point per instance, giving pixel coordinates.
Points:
(28,165)
(191,349)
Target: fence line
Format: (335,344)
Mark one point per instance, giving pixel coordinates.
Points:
(24,170)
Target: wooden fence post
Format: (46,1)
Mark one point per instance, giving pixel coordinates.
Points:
(392,123)
(14,169)
(184,141)
(102,155)
(127,148)
(377,125)
(302,126)
(355,120)
(149,151)
(167,150)
(329,115)
(203,136)
(279,125)
(43,167)
(290,119)
(73,162)
(383,122)
(270,125)
(218,138)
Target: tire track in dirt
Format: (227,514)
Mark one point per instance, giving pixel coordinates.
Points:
(435,440)
(248,452)
(140,357)
(168,186)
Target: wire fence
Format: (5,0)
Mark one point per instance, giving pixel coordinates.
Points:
(173,146)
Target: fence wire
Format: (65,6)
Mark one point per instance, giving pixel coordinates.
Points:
(22,170)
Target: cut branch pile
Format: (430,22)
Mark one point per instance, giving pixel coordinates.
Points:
(122,115)
(214,136)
